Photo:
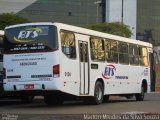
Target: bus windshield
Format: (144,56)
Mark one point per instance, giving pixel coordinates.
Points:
(30,39)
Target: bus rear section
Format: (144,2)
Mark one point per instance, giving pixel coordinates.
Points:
(31,59)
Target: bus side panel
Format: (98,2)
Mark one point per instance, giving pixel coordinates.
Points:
(75,78)
(120,79)
(126,80)
(69,75)
(69,72)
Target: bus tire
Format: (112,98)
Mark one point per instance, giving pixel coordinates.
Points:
(53,100)
(140,96)
(98,93)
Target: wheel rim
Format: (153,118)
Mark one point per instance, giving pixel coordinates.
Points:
(98,93)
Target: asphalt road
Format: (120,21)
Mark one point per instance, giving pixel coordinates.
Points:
(38,110)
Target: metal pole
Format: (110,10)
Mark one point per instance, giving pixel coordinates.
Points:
(97,13)
(122,13)
(98,4)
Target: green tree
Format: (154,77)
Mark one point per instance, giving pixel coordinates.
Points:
(114,28)
(7,19)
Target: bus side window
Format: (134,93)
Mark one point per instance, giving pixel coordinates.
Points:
(111,51)
(143,56)
(108,50)
(97,49)
(68,44)
(133,55)
(114,51)
(123,52)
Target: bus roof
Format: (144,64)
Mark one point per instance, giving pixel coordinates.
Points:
(86,31)
(101,34)
(29,24)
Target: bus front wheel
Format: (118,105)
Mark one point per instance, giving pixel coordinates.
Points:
(140,96)
(98,93)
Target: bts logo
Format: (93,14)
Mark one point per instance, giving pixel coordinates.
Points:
(27,34)
(109,71)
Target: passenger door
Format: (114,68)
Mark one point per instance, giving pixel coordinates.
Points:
(84,67)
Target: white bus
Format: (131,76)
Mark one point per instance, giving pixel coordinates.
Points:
(61,61)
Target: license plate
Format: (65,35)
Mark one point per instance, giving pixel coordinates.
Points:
(29,86)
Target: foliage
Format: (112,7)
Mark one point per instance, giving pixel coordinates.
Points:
(7,19)
(114,28)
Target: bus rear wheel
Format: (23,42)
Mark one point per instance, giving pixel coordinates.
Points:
(140,96)
(98,93)
(53,99)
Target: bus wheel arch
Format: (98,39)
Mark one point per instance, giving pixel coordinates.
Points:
(140,96)
(105,97)
(102,82)
(98,92)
